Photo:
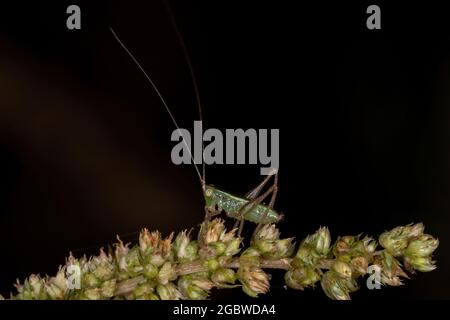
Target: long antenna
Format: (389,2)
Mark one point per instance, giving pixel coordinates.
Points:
(191,71)
(162,100)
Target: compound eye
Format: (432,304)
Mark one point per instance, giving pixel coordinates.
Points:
(208,192)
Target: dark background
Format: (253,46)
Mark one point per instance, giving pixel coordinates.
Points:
(85,143)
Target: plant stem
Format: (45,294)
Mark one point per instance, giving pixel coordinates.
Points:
(129,285)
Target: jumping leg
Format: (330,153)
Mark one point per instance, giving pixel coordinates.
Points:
(209,213)
(249,206)
(252,194)
(271,204)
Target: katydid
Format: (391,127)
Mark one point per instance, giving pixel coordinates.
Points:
(249,207)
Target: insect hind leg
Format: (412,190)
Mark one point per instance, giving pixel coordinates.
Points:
(256,201)
(209,213)
(252,194)
(271,204)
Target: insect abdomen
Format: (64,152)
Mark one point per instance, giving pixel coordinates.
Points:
(262,214)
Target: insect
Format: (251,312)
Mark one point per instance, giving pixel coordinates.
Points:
(247,208)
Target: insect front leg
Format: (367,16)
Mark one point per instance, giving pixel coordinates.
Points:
(209,213)
(251,195)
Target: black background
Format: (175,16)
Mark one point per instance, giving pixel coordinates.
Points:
(85,143)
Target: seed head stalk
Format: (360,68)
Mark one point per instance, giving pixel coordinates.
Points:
(173,268)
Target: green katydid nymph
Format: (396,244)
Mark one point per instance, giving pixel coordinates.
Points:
(250,207)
